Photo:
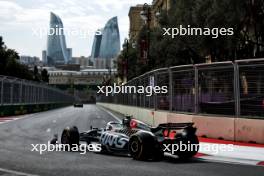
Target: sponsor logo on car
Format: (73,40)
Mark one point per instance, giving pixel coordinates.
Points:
(113,140)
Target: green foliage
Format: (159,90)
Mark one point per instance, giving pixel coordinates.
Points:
(44,75)
(134,66)
(9,66)
(246,17)
(200,13)
(36,75)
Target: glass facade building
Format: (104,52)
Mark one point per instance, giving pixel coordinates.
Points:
(110,44)
(107,45)
(57,52)
(96,45)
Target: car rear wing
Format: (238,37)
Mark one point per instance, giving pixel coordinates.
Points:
(172,127)
(175,125)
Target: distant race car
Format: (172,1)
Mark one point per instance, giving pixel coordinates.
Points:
(78,105)
(135,138)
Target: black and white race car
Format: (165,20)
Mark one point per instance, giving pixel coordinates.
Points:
(135,138)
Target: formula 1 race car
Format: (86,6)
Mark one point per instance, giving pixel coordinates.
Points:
(78,105)
(135,138)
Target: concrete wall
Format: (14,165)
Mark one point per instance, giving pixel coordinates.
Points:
(219,127)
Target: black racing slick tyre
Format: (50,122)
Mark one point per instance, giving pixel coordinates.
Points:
(191,141)
(143,146)
(71,137)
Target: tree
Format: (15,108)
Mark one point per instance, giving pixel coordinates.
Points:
(9,64)
(36,75)
(44,75)
(134,67)
(246,17)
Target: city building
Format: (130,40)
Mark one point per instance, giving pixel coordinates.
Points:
(69,67)
(100,63)
(69,51)
(82,84)
(82,61)
(157,7)
(30,61)
(84,77)
(57,51)
(110,44)
(44,56)
(106,45)
(136,21)
(96,44)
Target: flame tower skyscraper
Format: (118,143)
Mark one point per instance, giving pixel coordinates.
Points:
(57,51)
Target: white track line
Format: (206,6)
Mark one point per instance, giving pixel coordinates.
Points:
(219,159)
(16,172)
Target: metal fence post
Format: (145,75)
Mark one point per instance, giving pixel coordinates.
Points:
(155,95)
(20,92)
(37,95)
(196,87)
(236,95)
(170,88)
(236,89)
(11,92)
(27,93)
(42,95)
(2,91)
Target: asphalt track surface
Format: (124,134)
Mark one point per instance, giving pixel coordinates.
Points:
(16,157)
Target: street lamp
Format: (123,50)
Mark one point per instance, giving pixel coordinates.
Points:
(158,12)
(134,45)
(145,14)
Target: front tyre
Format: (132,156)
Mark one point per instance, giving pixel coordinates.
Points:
(136,148)
(70,136)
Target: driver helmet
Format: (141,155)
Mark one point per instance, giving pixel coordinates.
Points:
(109,126)
(126,121)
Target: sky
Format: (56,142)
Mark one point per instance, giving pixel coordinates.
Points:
(24,23)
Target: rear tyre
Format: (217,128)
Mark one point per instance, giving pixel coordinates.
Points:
(158,155)
(143,146)
(71,137)
(194,142)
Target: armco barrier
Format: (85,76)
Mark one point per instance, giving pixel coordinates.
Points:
(219,127)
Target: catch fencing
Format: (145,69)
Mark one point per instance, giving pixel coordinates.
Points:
(223,88)
(14,91)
